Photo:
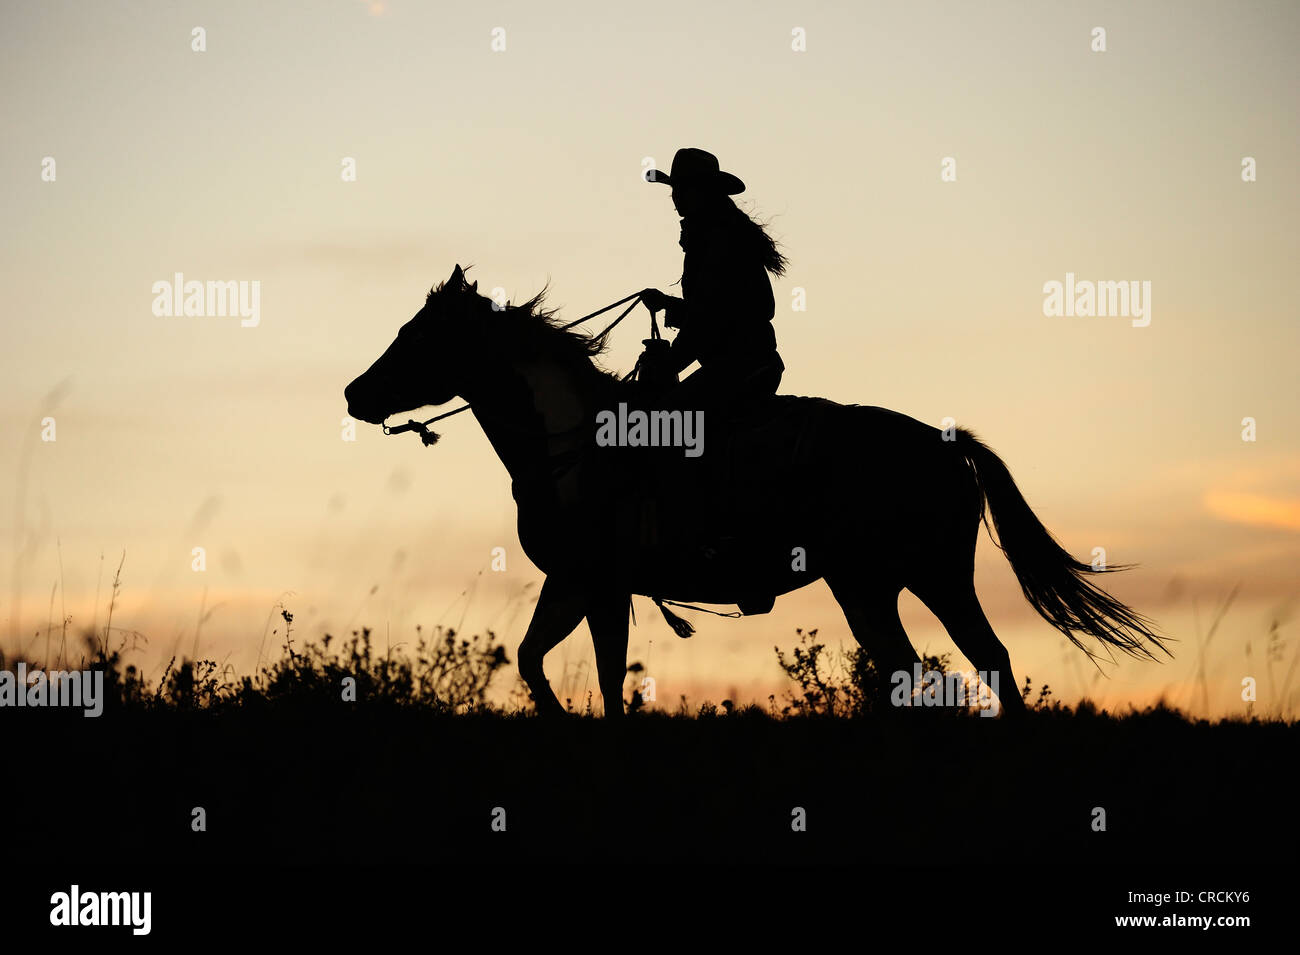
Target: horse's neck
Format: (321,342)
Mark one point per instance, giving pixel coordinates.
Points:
(533,412)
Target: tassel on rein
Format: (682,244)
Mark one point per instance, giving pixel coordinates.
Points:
(680,625)
(428,437)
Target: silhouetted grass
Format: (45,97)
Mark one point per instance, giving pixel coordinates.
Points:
(288,766)
(446,674)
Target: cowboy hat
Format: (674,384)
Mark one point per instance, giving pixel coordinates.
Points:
(697,169)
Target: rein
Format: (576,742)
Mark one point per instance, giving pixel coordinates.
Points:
(429,438)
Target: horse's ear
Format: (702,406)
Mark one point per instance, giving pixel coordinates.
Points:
(474,287)
(457,279)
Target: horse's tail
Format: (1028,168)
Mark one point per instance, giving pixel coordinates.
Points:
(1053,581)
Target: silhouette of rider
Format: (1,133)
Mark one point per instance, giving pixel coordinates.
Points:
(724,321)
(724,316)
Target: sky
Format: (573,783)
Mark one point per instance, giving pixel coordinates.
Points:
(924,294)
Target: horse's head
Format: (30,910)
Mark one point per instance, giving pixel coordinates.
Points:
(427,362)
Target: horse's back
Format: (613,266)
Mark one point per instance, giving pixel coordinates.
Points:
(825,437)
(787,447)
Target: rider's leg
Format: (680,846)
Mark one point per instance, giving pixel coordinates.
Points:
(738,387)
(687,394)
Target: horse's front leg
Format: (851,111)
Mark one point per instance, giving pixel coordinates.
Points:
(560,608)
(607,617)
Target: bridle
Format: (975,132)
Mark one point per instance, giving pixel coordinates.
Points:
(429,438)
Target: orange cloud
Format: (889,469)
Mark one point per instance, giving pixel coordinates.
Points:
(1255,509)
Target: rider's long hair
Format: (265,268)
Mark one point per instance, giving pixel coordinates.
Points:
(750,233)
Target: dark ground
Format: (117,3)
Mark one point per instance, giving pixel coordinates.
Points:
(390,784)
(942,828)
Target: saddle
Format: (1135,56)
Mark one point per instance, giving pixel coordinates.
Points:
(727,513)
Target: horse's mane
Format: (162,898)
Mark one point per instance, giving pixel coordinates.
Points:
(532,329)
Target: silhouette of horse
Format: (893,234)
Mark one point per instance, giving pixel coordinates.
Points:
(868,499)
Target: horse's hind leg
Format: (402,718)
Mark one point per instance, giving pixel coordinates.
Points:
(951,597)
(560,608)
(872,612)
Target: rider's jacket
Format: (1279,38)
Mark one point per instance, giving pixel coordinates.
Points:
(725,313)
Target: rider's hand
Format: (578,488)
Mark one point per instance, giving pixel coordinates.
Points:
(654,299)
